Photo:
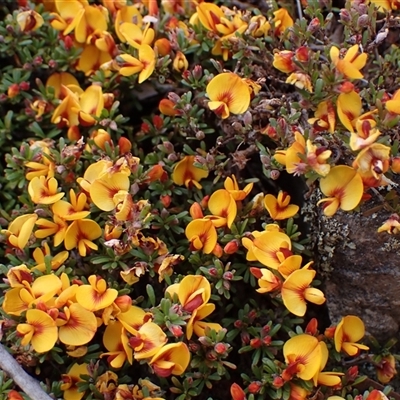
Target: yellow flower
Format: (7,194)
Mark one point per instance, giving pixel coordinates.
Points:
(20,230)
(92,59)
(386,369)
(393,105)
(202,235)
(104,192)
(180,62)
(135,36)
(392,225)
(283,61)
(316,158)
(291,157)
(42,290)
(345,188)
(58,227)
(267,280)
(64,115)
(80,234)
(349,331)
(144,64)
(185,173)
(282,21)
(326,378)
(77,325)
(303,355)
(232,187)
(29,21)
(57,79)
(270,248)
(127,14)
(223,208)
(55,262)
(147,341)
(196,323)
(295,291)
(300,80)
(172,359)
(348,108)
(371,163)
(44,190)
(324,117)
(18,275)
(228,94)
(209,15)
(116,341)
(70,380)
(351,63)
(280,208)
(193,292)
(367,133)
(40,330)
(96,295)
(91,104)
(75,209)
(80,17)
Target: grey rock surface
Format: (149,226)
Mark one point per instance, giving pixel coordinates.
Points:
(361,269)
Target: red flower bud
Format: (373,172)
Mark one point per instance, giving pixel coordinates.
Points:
(165,200)
(256,343)
(267,340)
(238,324)
(330,332)
(220,348)
(254,387)
(13,90)
(256,272)
(312,327)
(125,145)
(158,122)
(231,247)
(176,330)
(352,372)
(237,392)
(278,382)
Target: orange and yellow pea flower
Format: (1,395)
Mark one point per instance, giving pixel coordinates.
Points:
(59,79)
(21,298)
(40,331)
(196,323)
(148,340)
(55,262)
(326,378)
(185,173)
(270,248)
(171,359)
(80,234)
(17,275)
(296,290)
(391,225)
(29,21)
(44,190)
(303,357)
(324,117)
(70,380)
(371,163)
(77,325)
(228,94)
(143,65)
(351,64)
(74,209)
(19,231)
(96,295)
(58,227)
(348,108)
(282,21)
(347,333)
(279,207)
(366,134)
(222,207)
(231,185)
(344,188)
(202,235)
(386,369)
(116,341)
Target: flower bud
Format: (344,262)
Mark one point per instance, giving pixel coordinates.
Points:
(237,392)
(267,340)
(218,251)
(345,16)
(231,247)
(166,107)
(197,72)
(254,387)
(278,382)
(313,26)
(176,330)
(238,324)
(125,145)
(24,86)
(165,200)
(13,90)
(228,275)
(221,348)
(124,302)
(330,332)
(256,343)
(312,327)
(395,165)
(163,46)
(195,211)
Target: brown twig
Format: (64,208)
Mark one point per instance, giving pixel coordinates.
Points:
(28,384)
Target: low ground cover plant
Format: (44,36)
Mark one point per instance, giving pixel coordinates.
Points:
(155,160)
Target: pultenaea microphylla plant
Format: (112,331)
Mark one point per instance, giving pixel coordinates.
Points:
(149,250)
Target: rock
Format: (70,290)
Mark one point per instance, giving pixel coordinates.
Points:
(361,268)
